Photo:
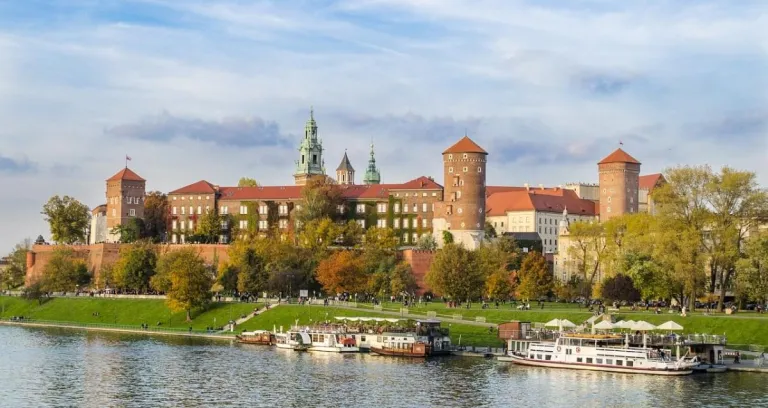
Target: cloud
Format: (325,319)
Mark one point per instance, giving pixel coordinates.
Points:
(233,131)
(16,166)
(739,127)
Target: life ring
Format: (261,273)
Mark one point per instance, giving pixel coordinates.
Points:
(558,348)
(578,350)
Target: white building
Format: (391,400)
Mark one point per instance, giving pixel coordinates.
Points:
(98,225)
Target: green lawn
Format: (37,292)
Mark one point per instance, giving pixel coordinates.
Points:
(120,311)
(286,315)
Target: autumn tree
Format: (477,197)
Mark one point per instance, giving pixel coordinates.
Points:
(135,267)
(499,284)
(447,237)
(535,279)
(752,277)
(402,281)
(318,234)
(379,245)
(185,279)
(13,274)
(570,289)
(427,242)
(247,182)
(65,272)
(619,287)
(490,231)
(156,216)
(588,246)
(208,228)
(67,218)
(252,275)
(320,199)
(455,274)
(342,272)
(227,277)
(131,231)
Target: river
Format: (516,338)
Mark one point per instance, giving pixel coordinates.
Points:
(59,367)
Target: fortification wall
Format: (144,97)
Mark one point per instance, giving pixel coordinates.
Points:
(420,261)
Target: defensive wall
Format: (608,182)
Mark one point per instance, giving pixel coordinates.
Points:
(420,260)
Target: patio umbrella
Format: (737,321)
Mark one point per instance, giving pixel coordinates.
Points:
(642,326)
(604,325)
(553,323)
(619,325)
(567,324)
(670,325)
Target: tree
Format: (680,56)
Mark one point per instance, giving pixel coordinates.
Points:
(402,281)
(156,215)
(499,284)
(447,237)
(455,274)
(227,277)
(535,279)
(33,292)
(186,280)
(64,272)
(502,253)
(131,231)
(651,280)
(342,272)
(208,227)
(351,234)
(135,267)
(752,275)
(247,182)
(619,287)
(380,245)
(319,199)
(490,231)
(13,274)
(68,219)
(427,242)
(589,246)
(571,289)
(252,274)
(318,234)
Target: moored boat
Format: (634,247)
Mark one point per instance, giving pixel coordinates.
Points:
(262,337)
(599,353)
(426,339)
(327,338)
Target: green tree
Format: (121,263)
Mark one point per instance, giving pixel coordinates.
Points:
(535,279)
(589,248)
(319,199)
(64,272)
(648,276)
(227,277)
(427,242)
(184,278)
(135,266)
(571,289)
(208,227)
(752,270)
(619,287)
(13,274)
(68,219)
(131,231)
(318,234)
(252,274)
(106,276)
(156,216)
(247,182)
(447,237)
(401,280)
(490,231)
(34,292)
(455,274)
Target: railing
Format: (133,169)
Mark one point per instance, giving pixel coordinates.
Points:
(136,328)
(533,335)
(661,339)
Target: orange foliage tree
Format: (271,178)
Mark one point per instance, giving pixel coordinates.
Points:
(342,272)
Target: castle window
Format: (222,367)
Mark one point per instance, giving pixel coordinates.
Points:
(361,223)
(381,223)
(191,210)
(405,222)
(460,210)
(462,225)
(199,210)
(424,207)
(224,225)
(434,194)
(609,209)
(361,208)
(182,225)
(173,225)
(199,197)
(424,194)
(224,210)
(405,238)
(283,223)
(458,195)
(381,207)
(450,157)
(283,209)
(397,207)
(263,209)
(174,210)
(465,169)
(302,159)
(183,198)
(450,169)
(263,224)
(397,222)
(314,159)
(415,207)
(207,208)
(609,199)
(243,209)
(132,212)
(414,238)
(174,238)
(207,197)
(424,223)
(191,198)
(191,225)
(465,155)
(174,198)
(340,209)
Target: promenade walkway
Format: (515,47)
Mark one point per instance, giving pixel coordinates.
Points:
(116,329)
(364,310)
(249,316)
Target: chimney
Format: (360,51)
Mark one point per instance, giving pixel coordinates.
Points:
(526,187)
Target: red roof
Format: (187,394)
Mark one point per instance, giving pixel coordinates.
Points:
(619,156)
(551,200)
(500,189)
(465,145)
(650,181)
(126,174)
(201,186)
(354,192)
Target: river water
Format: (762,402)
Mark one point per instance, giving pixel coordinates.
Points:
(58,367)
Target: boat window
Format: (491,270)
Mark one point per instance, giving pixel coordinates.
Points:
(608,361)
(599,361)
(568,351)
(589,361)
(378,339)
(362,338)
(538,356)
(619,362)
(630,363)
(548,357)
(578,359)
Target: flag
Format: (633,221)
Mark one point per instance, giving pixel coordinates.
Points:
(620,142)
(127,157)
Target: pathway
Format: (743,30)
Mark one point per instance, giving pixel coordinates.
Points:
(412,316)
(151,331)
(242,320)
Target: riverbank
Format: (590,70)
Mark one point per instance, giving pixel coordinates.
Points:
(124,330)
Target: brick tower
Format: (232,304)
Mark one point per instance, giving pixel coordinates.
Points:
(463,207)
(125,200)
(619,182)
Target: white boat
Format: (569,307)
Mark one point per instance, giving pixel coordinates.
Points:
(320,338)
(599,353)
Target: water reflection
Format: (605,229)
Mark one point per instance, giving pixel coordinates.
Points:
(68,368)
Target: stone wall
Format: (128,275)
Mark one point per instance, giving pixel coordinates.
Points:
(98,255)
(420,261)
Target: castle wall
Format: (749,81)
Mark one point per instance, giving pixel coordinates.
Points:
(420,262)
(619,185)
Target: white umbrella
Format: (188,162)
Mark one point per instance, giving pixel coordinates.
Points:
(670,325)
(553,323)
(642,326)
(567,323)
(619,325)
(604,325)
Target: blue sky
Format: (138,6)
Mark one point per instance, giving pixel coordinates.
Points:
(195,89)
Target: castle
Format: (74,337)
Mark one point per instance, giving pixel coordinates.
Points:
(418,207)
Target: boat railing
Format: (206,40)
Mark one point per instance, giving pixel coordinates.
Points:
(533,335)
(675,339)
(320,329)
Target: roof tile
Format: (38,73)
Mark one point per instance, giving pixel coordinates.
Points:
(619,156)
(465,145)
(126,174)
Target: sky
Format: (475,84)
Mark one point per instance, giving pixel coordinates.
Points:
(197,89)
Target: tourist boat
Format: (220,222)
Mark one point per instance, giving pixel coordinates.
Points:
(319,338)
(601,352)
(426,339)
(262,337)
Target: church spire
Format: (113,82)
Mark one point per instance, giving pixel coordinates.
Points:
(372,175)
(311,162)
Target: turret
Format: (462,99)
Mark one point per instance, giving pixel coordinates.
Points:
(345,173)
(619,183)
(372,175)
(310,163)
